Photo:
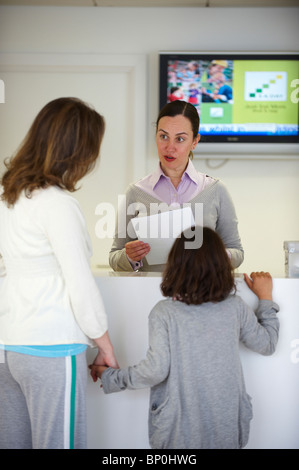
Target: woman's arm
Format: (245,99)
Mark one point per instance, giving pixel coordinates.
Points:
(65,228)
(2,267)
(126,250)
(148,372)
(227,226)
(105,356)
(67,233)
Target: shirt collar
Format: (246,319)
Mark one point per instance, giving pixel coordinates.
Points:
(189,172)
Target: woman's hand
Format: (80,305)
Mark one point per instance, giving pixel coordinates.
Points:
(261,284)
(96,371)
(105,357)
(137,250)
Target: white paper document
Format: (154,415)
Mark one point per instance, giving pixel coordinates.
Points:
(161,230)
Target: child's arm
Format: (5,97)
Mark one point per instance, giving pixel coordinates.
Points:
(259,332)
(261,284)
(148,372)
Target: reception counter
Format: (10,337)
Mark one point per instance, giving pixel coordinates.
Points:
(119,420)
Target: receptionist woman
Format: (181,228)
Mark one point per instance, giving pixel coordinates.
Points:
(176,182)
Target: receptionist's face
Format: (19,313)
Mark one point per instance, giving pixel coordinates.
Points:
(174,140)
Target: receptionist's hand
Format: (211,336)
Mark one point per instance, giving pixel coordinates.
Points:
(137,250)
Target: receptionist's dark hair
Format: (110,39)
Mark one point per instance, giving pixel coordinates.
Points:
(198,275)
(183,108)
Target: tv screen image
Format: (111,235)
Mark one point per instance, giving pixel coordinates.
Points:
(239,97)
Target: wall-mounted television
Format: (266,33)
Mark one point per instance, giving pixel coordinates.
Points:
(241,98)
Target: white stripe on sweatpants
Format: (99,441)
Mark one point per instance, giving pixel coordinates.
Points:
(67,401)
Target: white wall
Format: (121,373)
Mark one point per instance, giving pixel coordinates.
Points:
(266,193)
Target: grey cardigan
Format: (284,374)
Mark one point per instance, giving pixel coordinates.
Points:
(218,214)
(198,398)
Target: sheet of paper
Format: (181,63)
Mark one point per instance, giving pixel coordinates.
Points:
(160,231)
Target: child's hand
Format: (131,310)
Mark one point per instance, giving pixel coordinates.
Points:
(96,371)
(261,284)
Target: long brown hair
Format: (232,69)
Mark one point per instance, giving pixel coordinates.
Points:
(60,148)
(198,275)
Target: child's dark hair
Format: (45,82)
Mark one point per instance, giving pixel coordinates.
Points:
(198,275)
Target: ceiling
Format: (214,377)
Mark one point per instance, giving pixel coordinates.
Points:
(156,3)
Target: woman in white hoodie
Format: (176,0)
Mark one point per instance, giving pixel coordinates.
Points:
(50,306)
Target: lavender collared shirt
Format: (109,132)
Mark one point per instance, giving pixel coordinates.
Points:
(158,185)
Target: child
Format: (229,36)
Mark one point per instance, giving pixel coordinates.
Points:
(175,94)
(198,398)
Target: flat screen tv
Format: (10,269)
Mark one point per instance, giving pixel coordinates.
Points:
(248,98)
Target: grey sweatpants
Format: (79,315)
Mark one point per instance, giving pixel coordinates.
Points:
(42,402)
